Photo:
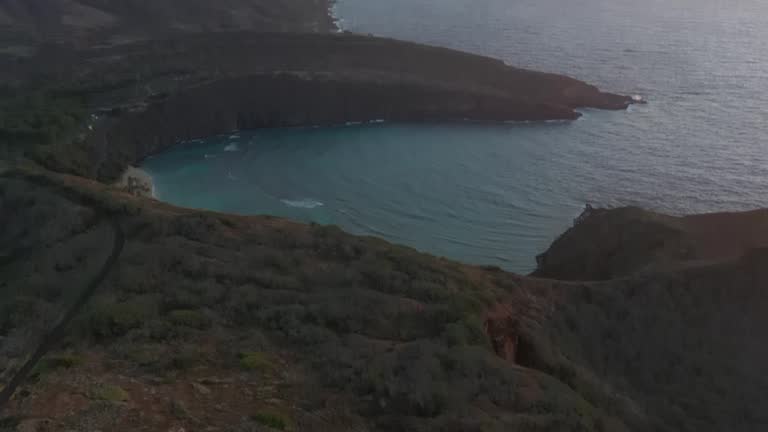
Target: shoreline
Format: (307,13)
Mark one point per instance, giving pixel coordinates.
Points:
(248,92)
(333,14)
(136,181)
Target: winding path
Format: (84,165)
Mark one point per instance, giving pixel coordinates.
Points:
(58,332)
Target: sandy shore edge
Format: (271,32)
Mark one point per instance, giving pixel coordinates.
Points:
(137,182)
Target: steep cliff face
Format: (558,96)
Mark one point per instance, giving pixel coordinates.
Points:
(288,101)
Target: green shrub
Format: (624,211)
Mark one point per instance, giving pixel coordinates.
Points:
(40,117)
(116,319)
(190,318)
(468,331)
(256,361)
(55,361)
(161,330)
(110,393)
(183,360)
(9,423)
(181,299)
(141,355)
(180,410)
(271,419)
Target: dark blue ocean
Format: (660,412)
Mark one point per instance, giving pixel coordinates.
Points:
(500,194)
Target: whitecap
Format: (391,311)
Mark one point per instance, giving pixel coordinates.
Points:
(307,203)
(209,156)
(333,11)
(233,147)
(353,123)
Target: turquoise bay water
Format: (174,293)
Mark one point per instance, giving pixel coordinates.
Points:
(453,190)
(499,194)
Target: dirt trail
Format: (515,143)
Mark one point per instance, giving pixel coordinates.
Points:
(58,332)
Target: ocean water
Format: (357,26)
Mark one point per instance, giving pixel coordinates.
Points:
(499,194)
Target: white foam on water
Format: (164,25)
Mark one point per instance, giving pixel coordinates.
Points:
(337,20)
(528,122)
(307,203)
(233,147)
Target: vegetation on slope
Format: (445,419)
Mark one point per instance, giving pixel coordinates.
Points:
(246,323)
(391,335)
(39,117)
(329,331)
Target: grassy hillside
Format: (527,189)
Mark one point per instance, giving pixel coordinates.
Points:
(304,327)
